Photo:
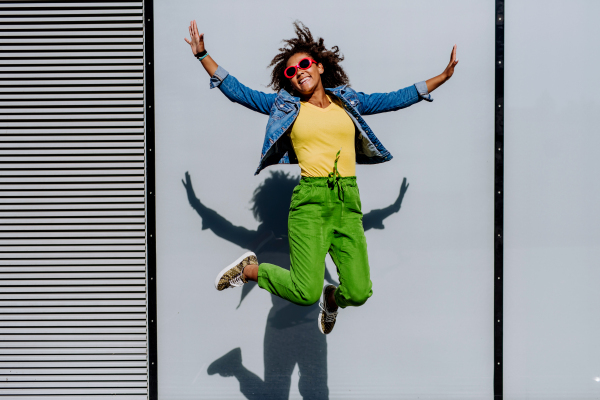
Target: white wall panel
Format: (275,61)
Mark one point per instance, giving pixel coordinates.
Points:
(552,220)
(427,332)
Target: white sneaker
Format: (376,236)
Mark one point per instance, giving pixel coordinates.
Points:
(326,316)
(232,276)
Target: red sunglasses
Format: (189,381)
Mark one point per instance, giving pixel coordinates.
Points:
(305,63)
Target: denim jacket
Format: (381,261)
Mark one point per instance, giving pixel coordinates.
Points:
(283,108)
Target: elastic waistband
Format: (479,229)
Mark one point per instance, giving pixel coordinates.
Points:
(323,181)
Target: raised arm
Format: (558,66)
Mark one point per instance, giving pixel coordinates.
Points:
(196,42)
(235,91)
(383,102)
(436,81)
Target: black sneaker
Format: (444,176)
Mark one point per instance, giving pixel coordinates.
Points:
(326,316)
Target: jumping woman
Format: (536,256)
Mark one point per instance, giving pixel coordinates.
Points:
(316,121)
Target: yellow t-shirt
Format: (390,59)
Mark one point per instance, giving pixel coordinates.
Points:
(318,134)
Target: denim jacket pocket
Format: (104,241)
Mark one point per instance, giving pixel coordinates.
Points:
(282,105)
(352,98)
(280,109)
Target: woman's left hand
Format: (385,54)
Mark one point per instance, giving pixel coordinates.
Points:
(450,68)
(435,82)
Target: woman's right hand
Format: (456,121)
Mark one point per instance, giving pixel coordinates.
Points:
(197,39)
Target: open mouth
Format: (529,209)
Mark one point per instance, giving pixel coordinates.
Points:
(304,80)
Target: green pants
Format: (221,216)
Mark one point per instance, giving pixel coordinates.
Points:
(325,217)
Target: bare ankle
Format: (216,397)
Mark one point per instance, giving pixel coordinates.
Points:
(251,272)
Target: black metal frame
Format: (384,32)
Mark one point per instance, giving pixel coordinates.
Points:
(150,198)
(499,203)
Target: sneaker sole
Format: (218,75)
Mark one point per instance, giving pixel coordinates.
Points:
(233,264)
(319,322)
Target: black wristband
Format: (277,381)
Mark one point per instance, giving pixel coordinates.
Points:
(198,55)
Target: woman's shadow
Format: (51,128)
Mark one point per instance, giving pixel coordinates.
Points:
(291,335)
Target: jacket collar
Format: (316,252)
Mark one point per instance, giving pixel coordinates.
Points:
(338,91)
(283,94)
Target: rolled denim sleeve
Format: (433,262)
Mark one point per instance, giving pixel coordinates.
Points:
(423,92)
(219,76)
(376,103)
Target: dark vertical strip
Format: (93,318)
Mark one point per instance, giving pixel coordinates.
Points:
(150,197)
(499,204)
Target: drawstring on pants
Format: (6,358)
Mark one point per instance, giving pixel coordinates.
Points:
(334,178)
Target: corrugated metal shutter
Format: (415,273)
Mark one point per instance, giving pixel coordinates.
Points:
(73,310)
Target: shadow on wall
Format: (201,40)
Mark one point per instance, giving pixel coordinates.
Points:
(291,335)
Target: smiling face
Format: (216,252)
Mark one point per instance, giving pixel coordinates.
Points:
(306,81)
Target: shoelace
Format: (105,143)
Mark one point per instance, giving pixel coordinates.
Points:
(333,179)
(237,280)
(329,315)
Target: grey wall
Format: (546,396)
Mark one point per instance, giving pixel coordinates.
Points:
(552,223)
(427,332)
